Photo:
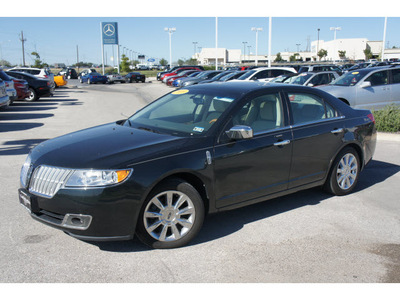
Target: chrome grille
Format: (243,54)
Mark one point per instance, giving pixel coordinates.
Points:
(46,181)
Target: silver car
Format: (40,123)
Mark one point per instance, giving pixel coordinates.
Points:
(4,99)
(113,77)
(9,86)
(371,88)
(312,78)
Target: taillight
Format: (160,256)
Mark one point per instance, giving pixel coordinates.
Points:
(48,83)
(45,76)
(371,117)
(7,84)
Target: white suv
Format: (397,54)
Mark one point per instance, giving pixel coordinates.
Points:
(44,73)
(265,74)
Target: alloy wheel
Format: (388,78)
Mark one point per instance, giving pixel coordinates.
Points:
(169,216)
(346,173)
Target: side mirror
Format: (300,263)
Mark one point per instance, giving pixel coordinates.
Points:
(240,132)
(365,84)
(310,84)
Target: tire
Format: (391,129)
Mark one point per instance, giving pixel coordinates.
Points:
(80,80)
(171,216)
(32,95)
(344,173)
(88,81)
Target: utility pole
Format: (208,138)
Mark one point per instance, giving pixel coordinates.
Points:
(77,57)
(23,50)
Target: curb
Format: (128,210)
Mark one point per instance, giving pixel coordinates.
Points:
(392,137)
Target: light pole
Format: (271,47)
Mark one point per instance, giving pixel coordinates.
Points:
(256,30)
(334,38)
(298,47)
(383,41)
(170,31)
(318,42)
(244,50)
(195,44)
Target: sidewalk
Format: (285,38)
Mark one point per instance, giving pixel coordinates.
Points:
(384,136)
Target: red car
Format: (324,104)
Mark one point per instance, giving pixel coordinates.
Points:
(186,73)
(178,70)
(22,88)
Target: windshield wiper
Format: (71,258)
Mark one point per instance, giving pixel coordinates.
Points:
(148,129)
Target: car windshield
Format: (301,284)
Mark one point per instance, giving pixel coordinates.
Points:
(246,75)
(301,79)
(350,78)
(182,112)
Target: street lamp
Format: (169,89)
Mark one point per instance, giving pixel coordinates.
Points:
(256,30)
(334,37)
(318,42)
(244,50)
(170,31)
(335,29)
(195,44)
(298,47)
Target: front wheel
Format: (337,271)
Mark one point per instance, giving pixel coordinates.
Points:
(344,174)
(171,216)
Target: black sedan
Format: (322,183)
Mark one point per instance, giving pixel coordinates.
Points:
(194,151)
(37,87)
(135,76)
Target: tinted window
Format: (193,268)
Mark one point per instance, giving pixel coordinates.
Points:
(261,74)
(309,108)
(262,113)
(378,78)
(396,75)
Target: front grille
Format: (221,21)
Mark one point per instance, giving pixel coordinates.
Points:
(46,181)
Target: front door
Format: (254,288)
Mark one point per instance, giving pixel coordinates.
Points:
(251,168)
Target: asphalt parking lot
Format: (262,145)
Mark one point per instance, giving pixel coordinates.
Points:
(309,236)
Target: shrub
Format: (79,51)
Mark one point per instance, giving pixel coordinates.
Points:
(388,119)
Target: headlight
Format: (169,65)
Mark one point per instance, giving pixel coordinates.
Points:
(95,178)
(24,171)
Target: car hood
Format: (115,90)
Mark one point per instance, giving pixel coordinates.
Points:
(104,147)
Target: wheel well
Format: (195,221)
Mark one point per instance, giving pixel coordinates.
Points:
(359,152)
(195,181)
(345,101)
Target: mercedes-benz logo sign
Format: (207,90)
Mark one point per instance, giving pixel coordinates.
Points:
(109,29)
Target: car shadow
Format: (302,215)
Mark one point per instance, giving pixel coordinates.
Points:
(225,223)
(19,147)
(15,126)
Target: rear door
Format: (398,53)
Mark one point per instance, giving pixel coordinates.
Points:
(318,130)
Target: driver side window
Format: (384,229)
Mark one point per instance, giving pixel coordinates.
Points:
(261,113)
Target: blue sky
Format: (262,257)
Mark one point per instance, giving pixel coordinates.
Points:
(56,38)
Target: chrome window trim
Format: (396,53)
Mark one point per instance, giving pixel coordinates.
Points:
(294,126)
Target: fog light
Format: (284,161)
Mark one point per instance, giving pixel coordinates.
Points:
(79,222)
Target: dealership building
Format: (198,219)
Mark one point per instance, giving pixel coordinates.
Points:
(354,49)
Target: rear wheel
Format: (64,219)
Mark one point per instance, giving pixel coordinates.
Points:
(171,216)
(344,173)
(32,95)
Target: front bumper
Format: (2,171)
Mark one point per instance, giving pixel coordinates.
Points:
(97,214)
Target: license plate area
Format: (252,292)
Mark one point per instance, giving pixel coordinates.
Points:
(25,200)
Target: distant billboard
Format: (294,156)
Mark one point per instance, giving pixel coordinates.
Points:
(141,56)
(109,32)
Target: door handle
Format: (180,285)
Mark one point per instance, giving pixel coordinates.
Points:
(282,143)
(340,130)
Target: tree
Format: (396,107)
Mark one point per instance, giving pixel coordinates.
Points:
(368,53)
(294,57)
(38,63)
(322,53)
(5,63)
(278,57)
(124,67)
(163,62)
(342,54)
